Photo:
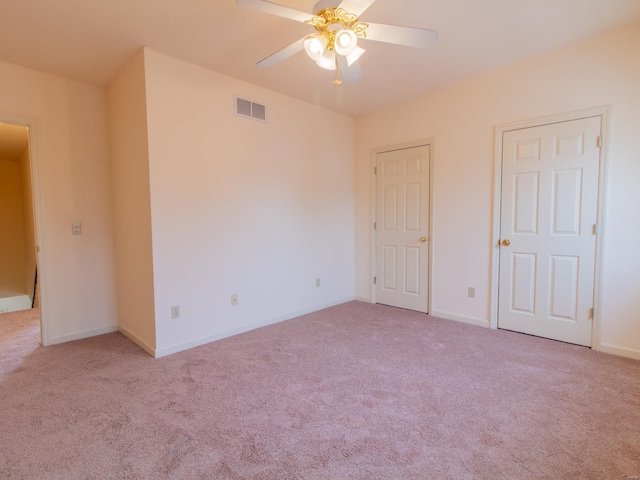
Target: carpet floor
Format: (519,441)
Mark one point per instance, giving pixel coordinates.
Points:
(356,391)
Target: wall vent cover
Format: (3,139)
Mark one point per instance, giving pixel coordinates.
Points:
(247,108)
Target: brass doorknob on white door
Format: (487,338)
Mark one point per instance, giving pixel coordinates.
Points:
(423,239)
(506,242)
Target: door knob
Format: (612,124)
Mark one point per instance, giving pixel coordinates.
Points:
(506,242)
(423,239)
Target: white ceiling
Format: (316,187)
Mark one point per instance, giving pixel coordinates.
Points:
(90,40)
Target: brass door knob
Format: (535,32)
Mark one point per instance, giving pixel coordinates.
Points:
(506,242)
(423,239)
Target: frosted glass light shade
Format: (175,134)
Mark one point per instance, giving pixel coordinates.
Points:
(315,45)
(327,60)
(346,42)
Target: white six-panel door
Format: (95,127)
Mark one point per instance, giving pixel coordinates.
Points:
(548,218)
(402,228)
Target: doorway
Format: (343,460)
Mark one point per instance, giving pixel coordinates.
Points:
(547,245)
(19,294)
(402,227)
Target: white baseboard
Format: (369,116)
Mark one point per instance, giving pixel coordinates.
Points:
(143,345)
(163,352)
(620,351)
(15,304)
(479,322)
(81,335)
(363,299)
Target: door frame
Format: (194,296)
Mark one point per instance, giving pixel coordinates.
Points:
(428,142)
(37,194)
(604,113)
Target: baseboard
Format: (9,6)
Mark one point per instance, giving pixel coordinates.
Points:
(143,345)
(479,322)
(163,352)
(81,335)
(620,351)
(15,304)
(363,299)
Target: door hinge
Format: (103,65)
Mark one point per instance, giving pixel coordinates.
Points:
(595,228)
(591,314)
(599,141)
(375,170)
(375,279)
(375,225)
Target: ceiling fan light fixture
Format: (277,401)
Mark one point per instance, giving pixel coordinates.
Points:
(334,46)
(327,60)
(354,55)
(346,42)
(315,45)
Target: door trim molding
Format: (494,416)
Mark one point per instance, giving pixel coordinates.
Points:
(38,212)
(428,142)
(604,113)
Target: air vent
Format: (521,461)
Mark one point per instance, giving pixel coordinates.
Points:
(247,108)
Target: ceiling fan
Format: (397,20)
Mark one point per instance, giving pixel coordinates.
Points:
(334,46)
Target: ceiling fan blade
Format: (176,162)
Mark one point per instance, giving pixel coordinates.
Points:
(357,7)
(411,37)
(350,74)
(274,9)
(283,54)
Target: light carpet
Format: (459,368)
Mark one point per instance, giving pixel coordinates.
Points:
(356,391)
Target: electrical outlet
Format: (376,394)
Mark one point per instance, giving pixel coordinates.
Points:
(317,283)
(471,292)
(234,299)
(175,312)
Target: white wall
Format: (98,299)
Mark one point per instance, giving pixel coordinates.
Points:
(71,150)
(462,117)
(12,251)
(240,206)
(132,203)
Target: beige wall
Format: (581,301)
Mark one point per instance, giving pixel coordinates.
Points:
(130,170)
(29,225)
(74,184)
(462,117)
(241,206)
(12,241)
